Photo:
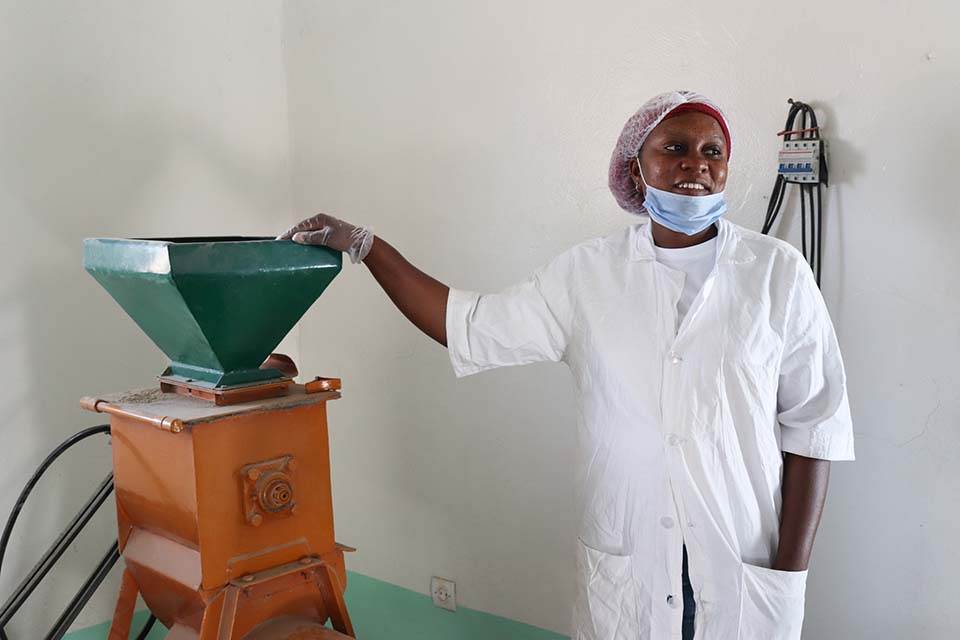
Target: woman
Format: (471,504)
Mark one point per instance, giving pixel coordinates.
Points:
(711,389)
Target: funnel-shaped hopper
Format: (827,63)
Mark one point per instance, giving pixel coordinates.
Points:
(215,306)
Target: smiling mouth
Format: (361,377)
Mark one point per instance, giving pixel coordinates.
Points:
(691,188)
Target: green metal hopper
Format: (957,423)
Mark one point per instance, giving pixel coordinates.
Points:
(215,306)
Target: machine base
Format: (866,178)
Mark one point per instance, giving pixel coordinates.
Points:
(223,396)
(300,595)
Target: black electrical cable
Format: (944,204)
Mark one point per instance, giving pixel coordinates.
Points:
(780,185)
(56,550)
(820,228)
(814,231)
(32,482)
(62,543)
(817,262)
(804,192)
(773,207)
(147,627)
(816,208)
(62,625)
(811,200)
(803,223)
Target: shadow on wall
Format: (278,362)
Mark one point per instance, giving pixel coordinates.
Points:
(74,164)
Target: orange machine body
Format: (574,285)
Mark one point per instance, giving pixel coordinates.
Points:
(225,513)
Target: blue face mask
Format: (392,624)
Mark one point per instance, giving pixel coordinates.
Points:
(682,213)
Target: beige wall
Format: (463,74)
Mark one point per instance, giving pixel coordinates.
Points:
(476,137)
(116,119)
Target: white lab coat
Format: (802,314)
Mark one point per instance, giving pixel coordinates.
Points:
(680,432)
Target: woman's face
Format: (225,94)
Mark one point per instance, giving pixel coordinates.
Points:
(686,154)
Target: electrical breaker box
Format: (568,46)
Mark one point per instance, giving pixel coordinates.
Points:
(800,160)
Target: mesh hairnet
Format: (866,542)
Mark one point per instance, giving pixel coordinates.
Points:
(635,132)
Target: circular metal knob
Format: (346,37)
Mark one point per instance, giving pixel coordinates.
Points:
(275,492)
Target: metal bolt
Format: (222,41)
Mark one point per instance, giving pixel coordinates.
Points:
(254,474)
(247,578)
(256,519)
(294,508)
(306,560)
(292,464)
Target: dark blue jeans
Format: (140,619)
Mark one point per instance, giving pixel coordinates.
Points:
(689,606)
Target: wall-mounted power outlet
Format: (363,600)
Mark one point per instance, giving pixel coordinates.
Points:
(444,593)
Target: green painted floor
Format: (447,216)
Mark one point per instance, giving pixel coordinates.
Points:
(382,611)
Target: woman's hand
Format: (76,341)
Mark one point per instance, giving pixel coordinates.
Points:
(325,230)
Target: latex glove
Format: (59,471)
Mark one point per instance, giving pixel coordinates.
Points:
(328,231)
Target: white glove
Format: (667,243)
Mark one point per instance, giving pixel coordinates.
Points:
(332,232)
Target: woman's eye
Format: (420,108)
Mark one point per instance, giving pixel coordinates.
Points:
(714,152)
(673,147)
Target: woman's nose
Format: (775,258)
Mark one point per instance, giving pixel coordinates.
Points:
(694,164)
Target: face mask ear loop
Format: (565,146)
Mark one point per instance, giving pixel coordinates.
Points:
(640,169)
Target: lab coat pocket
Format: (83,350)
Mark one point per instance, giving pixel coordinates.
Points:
(606,598)
(771,605)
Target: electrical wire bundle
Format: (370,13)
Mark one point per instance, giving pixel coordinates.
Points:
(62,543)
(811,199)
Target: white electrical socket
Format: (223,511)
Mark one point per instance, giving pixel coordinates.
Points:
(444,593)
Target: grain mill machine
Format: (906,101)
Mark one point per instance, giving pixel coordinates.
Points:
(222,470)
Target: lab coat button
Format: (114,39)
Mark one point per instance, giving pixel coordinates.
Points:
(674,440)
(675,357)
(667,522)
(673,602)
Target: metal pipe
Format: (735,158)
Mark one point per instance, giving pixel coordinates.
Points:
(56,550)
(84,594)
(174,425)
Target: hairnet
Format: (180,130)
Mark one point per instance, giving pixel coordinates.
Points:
(635,132)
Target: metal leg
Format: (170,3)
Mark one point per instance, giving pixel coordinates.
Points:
(210,626)
(332,594)
(123,613)
(229,613)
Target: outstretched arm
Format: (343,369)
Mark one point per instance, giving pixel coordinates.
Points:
(419,297)
(422,299)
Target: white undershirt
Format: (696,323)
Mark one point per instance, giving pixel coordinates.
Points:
(696,262)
